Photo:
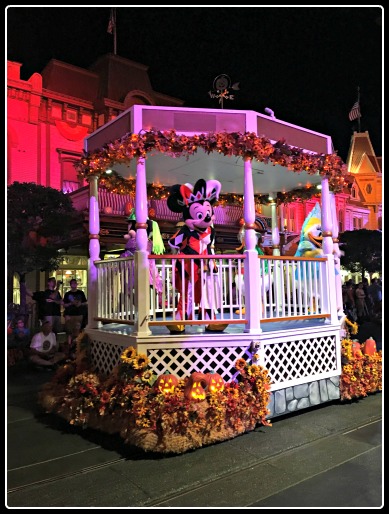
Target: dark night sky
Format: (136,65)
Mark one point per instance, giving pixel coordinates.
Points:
(305,63)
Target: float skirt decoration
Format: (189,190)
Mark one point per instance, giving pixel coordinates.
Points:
(132,403)
(361,370)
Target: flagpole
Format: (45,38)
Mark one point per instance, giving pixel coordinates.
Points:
(112,28)
(359,115)
(114,33)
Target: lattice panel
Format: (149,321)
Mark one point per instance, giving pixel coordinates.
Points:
(293,360)
(184,361)
(105,356)
(287,362)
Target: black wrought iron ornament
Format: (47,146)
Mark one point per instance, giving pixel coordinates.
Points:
(221,89)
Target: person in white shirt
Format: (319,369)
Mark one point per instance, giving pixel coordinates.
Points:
(44,348)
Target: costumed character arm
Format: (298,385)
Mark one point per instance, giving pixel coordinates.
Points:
(177,241)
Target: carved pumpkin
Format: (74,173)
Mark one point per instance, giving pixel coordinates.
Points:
(195,387)
(166,383)
(215,382)
(370,347)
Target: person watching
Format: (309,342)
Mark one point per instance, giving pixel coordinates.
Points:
(49,304)
(75,304)
(44,348)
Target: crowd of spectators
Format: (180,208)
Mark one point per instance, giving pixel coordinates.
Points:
(363,302)
(41,345)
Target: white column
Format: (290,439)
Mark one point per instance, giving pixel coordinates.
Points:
(94,252)
(278,292)
(328,247)
(142,276)
(337,254)
(281,215)
(275,233)
(251,266)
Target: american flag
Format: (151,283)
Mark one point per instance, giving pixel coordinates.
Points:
(112,21)
(355,112)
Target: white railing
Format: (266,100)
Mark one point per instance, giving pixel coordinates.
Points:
(290,288)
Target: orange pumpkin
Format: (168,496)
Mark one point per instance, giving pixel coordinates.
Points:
(166,383)
(356,349)
(370,347)
(215,382)
(128,208)
(195,387)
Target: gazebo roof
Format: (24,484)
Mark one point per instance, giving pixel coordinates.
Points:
(183,144)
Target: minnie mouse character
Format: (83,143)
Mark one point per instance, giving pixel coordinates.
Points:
(195,237)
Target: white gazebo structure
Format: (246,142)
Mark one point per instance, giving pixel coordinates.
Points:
(293,327)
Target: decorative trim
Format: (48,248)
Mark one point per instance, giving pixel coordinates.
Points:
(70,133)
(245,145)
(141,225)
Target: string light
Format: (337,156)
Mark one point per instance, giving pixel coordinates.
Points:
(246,145)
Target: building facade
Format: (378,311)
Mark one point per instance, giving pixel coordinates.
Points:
(50,114)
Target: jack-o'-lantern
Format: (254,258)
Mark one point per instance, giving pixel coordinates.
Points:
(215,382)
(370,347)
(166,383)
(195,387)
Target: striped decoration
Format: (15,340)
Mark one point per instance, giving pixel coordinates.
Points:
(117,202)
(229,215)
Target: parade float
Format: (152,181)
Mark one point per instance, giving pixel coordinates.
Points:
(170,390)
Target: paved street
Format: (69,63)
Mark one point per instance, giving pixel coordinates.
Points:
(330,456)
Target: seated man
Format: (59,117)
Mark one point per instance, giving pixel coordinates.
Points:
(44,348)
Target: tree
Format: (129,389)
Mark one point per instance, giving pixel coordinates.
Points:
(39,221)
(362,251)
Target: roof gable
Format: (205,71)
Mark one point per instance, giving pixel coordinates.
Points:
(360,145)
